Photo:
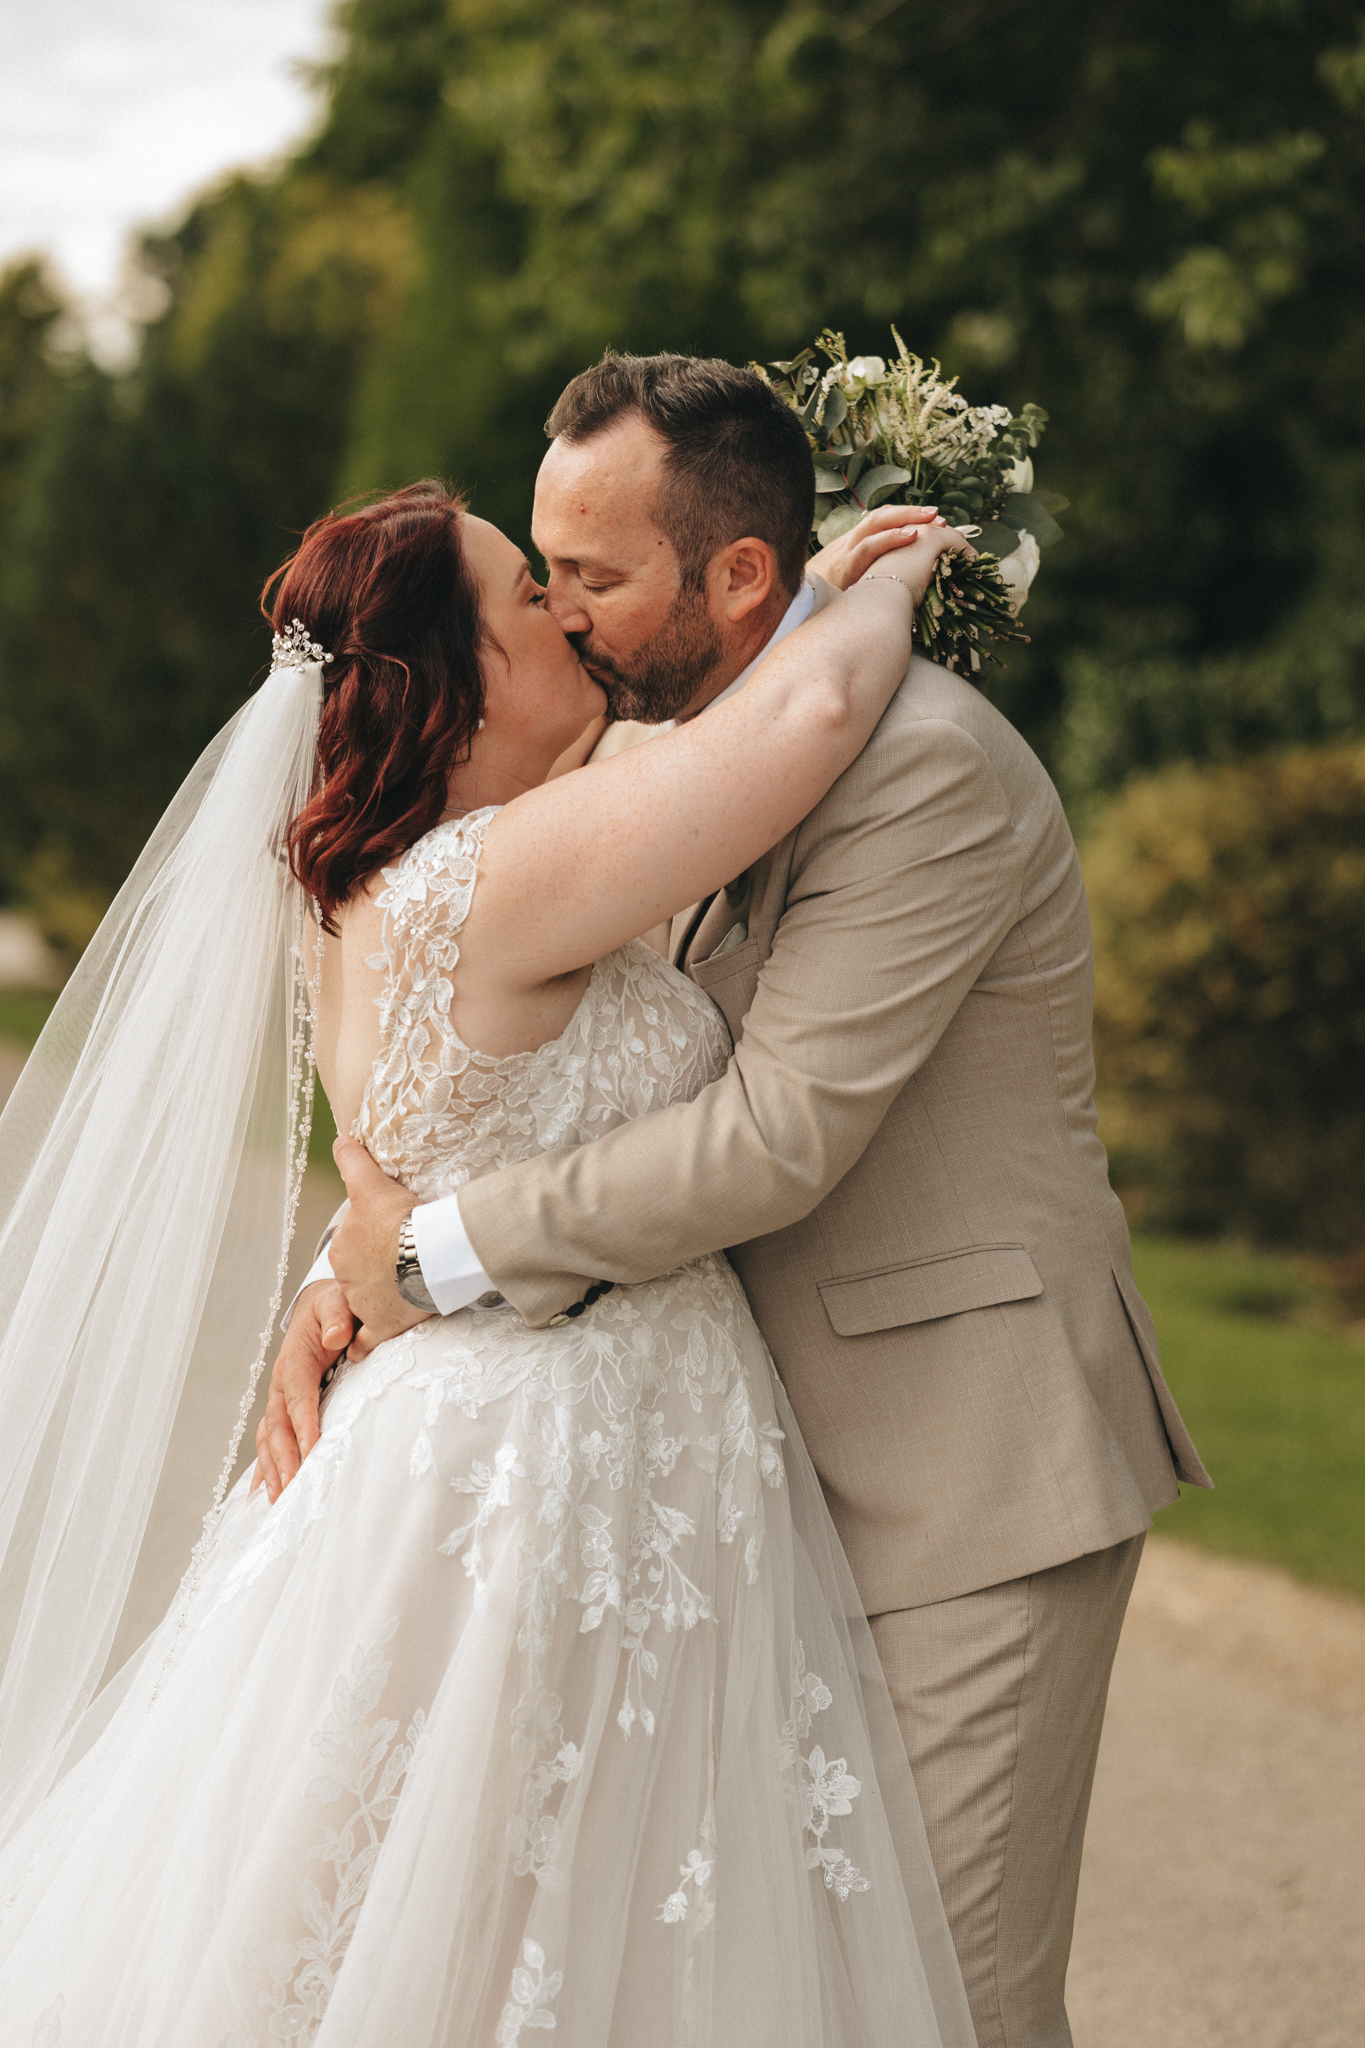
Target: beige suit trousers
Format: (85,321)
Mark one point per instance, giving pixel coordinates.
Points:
(1000,1696)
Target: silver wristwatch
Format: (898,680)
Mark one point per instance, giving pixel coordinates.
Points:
(411,1285)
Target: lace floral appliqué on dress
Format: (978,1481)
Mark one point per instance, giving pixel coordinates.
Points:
(436,1114)
(565,1783)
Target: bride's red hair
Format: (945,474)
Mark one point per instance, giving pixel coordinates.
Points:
(388,592)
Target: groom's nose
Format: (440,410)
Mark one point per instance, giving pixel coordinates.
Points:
(565,606)
(591,659)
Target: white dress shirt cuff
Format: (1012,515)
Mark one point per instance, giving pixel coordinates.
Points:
(449,1265)
(321,1269)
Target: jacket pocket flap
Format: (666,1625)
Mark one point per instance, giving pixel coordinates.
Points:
(919,1293)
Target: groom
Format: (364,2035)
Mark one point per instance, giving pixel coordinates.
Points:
(901,1160)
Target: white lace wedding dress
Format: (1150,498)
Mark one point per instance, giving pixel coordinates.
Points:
(541,1700)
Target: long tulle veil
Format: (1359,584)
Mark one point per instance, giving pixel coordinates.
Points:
(149,1169)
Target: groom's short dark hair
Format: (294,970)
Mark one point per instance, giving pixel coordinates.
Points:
(738,460)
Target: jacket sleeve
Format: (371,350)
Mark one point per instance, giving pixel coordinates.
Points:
(902,884)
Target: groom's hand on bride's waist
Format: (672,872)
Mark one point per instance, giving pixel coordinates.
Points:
(364,1246)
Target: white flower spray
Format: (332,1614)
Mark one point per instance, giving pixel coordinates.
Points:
(897,431)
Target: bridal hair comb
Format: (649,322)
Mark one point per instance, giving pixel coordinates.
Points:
(294,649)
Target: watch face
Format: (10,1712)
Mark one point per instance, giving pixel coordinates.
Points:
(414,1292)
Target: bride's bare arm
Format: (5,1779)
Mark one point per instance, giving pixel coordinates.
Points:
(576,867)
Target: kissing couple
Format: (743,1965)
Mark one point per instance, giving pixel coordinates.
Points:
(686,1615)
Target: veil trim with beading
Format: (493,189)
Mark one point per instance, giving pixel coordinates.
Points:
(150,1157)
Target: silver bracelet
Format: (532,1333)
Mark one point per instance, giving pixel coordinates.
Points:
(408,1272)
(868,577)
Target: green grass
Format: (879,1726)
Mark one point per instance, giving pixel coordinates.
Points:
(23,1013)
(321,1135)
(1276,1406)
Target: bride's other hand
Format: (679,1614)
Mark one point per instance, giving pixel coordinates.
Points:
(364,1246)
(878,533)
(319,1331)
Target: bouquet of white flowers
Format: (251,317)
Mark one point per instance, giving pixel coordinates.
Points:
(901,433)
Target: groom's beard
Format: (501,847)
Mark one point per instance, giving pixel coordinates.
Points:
(664,674)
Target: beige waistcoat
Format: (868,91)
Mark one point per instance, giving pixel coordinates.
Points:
(902,1161)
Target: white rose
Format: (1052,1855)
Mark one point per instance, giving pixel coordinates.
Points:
(1018,570)
(1021,475)
(867,370)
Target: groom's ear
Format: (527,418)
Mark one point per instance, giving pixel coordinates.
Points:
(740,579)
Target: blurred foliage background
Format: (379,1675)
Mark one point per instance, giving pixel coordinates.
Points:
(1147,217)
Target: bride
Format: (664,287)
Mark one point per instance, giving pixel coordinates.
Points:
(542,1698)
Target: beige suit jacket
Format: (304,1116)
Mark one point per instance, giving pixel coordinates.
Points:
(902,1161)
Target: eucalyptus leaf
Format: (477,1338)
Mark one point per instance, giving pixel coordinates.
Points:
(877,484)
(838,522)
(1022,511)
(997,539)
(836,409)
(829,480)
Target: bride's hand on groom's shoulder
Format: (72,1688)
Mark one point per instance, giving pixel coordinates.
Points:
(917,532)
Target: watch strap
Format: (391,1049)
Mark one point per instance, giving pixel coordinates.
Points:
(408,1272)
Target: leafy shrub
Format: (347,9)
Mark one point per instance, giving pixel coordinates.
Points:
(1229,913)
(1133,709)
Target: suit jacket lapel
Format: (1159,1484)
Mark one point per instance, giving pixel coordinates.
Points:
(684,929)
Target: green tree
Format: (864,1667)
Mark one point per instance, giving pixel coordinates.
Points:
(31,314)
(31,383)
(1148,218)
(156,504)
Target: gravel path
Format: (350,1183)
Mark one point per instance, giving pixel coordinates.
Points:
(1223,1891)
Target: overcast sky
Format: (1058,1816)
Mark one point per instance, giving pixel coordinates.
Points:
(112,112)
